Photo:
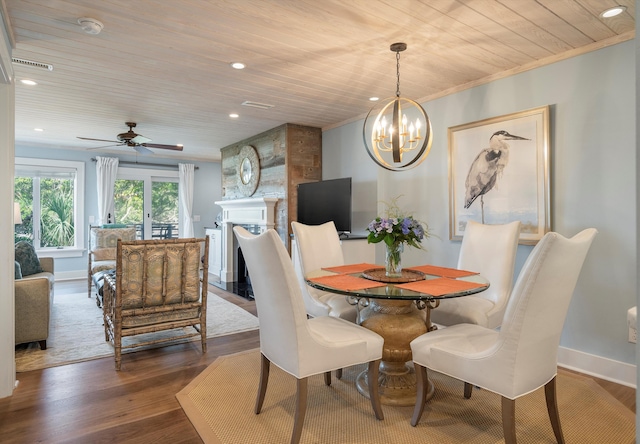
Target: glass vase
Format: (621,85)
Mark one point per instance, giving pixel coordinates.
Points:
(393,260)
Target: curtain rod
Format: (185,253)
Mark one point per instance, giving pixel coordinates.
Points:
(126,162)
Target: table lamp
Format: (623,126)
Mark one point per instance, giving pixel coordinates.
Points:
(17,217)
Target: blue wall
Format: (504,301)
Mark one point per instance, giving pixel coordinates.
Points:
(593,152)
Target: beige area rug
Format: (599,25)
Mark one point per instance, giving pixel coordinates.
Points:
(77,332)
(220,401)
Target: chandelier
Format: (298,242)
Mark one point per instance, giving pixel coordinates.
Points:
(397,126)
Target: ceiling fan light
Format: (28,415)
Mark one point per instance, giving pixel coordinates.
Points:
(140,139)
(142,150)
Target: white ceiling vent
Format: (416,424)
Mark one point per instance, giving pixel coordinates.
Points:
(257,105)
(32,64)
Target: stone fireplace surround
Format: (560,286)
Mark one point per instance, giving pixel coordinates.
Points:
(257,214)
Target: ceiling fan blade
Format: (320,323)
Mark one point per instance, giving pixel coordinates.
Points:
(105,146)
(140,139)
(99,140)
(142,150)
(164,147)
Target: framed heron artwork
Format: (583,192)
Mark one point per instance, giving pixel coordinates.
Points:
(499,173)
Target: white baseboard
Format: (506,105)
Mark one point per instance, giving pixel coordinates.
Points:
(603,368)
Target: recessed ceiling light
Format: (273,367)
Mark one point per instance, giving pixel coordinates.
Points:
(234,115)
(612,12)
(38,129)
(28,82)
(237,65)
(374,99)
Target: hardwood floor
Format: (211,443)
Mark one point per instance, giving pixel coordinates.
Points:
(89,402)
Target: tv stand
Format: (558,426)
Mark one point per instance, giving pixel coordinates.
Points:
(347,235)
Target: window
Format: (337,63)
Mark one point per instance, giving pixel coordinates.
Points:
(51,197)
(150,200)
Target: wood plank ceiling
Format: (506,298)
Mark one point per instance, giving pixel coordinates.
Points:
(165,63)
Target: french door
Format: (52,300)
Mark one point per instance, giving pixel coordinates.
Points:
(150,200)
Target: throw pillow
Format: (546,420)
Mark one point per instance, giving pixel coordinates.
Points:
(114,226)
(18,270)
(28,259)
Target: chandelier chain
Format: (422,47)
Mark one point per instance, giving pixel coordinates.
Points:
(398,74)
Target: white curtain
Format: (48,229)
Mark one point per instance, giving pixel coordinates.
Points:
(186,173)
(106,172)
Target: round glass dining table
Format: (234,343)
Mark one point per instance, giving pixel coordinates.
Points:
(399,312)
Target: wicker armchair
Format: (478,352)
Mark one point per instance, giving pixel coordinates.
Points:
(102,253)
(158,285)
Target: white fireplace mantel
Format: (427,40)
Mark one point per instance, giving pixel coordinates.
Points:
(257,211)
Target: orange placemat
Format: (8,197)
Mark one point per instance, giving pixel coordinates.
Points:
(443,271)
(440,286)
(351,268)
(346,282)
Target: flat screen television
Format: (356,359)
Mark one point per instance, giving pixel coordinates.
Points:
(320,202)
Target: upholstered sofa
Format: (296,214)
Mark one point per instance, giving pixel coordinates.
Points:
(157,285)
(33,300)
(102,253)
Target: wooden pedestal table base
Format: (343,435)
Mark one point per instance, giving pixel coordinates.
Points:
(398,322)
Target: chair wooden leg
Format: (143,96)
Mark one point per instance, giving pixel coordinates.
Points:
(262,387)
(43,344)
(89,280)
(374,392)
(509,420)
(421,395)
(203,337)
(301,409)
(117,348)
(552,409)
(327,378)
(339,373)
(468,388)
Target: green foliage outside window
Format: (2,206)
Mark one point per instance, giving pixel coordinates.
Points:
(164,201)
(23,194)
(129,200)
(129,206)
(56,211)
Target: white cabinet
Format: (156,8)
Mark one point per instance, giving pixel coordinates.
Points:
(215,250)
(357,251)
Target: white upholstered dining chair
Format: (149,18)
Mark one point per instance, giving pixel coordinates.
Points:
(522,356)
(300,346)
(491,251)
(319,246)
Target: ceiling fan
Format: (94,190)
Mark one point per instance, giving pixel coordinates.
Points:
(136,141)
